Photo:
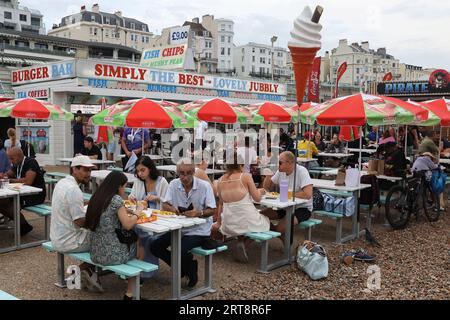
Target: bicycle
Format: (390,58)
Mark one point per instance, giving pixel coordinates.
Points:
(416,195)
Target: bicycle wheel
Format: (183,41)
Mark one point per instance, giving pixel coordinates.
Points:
(396,207)
(431,206)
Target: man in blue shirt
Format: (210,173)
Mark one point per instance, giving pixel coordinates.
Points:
(372,136)
(132,142)
(191,197)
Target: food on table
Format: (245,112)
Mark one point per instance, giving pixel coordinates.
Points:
(164,213)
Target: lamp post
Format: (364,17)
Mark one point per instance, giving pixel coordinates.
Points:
(273,39)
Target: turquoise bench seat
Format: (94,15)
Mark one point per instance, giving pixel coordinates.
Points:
(205,252)
(6,296)
(45,211)
(56,174)
(131,269)
(308,225)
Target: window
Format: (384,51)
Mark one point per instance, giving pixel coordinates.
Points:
(262,50)
(222,27)
(143,39)
(147,39)
(229,39)
(229,51)
(23,17)
(242,58)
(269,61)
(95,31)
(367,60)
(253,69)
(280,54)
(262,60)
(64,35)
(106,33)
(132,26)
(8,15)
(222,38)
(243,51)
(243,69)
(261,70)
(253,58)
(222,51)
(107,21)
(91,31)
(144,28)
(253,50)
(357,70)
(92,18)
(267,70)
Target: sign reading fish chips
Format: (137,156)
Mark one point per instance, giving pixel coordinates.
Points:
(169,57)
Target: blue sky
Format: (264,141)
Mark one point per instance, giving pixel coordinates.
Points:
(414,31)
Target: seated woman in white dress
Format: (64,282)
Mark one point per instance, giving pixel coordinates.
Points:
(237,191)
(150,187)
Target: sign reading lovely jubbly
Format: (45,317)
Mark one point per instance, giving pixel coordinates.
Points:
(102,72)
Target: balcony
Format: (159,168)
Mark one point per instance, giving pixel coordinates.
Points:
(36,50)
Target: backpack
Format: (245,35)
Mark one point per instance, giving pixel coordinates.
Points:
(318,201)
(438,179)
(24,146)
(370,196)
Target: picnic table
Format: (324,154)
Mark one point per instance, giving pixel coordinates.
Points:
(16,193)
(330,185)
(334,155)
(175,225)
(334,172)
(362,150)
(100,175)
(290,207)
(101,163)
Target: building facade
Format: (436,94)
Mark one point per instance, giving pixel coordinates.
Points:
(15,17)
(98,26)
(260,60)
(364,65)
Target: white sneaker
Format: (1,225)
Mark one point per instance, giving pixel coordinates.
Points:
(241,252)
(90,283)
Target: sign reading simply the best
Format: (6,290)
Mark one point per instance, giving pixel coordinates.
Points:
(169,57)
(53,71)
(99,73)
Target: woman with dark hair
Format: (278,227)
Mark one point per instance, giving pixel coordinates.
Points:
(106,213)
(149,187)
(236,190)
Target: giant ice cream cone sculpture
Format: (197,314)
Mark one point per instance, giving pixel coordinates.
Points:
(304,44)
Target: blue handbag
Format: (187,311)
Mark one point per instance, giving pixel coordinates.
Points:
(438,180)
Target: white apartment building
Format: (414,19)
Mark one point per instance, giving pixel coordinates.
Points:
(18,18)
(222,31)
(364,65)
(98,26)
(413,73)
(255,60)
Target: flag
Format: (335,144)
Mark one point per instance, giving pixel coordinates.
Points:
(314,81)
(349,133)
(388,76)
(340,72)
(104,133)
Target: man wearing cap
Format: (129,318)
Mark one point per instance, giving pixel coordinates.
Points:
(66,229)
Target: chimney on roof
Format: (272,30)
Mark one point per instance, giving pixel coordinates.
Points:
(83,9)
(196,20)
(118,13)
(343,42)
(365,45)
(95,8)
(381,51)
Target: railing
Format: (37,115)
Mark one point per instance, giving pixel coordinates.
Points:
(38,50)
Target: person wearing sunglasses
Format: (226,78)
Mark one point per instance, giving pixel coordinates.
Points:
(303,190)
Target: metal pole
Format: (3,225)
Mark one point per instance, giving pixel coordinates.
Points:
(406,140)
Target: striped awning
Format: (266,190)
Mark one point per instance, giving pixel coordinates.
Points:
(12,60)
(32,61)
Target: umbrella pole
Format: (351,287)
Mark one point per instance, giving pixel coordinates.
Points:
(143,138)
(213,150)
(406,140)
(360,160)
(28,133)
(440,138)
